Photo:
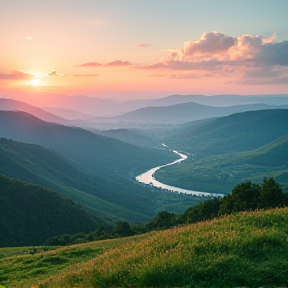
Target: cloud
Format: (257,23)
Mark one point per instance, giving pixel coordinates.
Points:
(16,75)
(116,63)
(143,45)
(56,72)
(210,43)
(245,57)
(89,64)
(29,38)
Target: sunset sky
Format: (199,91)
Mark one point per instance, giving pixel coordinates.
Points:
(143,48)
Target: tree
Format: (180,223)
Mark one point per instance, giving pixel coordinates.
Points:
(244,196)
(123,229)
(271,194)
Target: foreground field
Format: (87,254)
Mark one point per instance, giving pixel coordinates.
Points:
(247,249)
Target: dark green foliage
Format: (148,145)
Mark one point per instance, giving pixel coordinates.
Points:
(163,220)
(271,195)
(203,211)
(244,196)
(123,229)
(30,214)
(247,196)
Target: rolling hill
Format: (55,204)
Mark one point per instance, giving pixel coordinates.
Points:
(95,153)
(30,214)
(229,150)
(108,198)
(14,105)
(221,172)
(234,133)
(243,250)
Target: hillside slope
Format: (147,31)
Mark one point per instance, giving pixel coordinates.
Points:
(242,250)
(108,198)
(14,105)
(95,153)
(30,214)
(234,133)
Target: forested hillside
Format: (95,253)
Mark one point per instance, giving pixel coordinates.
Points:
(30,214)
(95,153)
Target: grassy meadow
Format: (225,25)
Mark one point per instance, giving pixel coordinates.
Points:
(248,249)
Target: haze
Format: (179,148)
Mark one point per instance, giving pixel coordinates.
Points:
(142,49)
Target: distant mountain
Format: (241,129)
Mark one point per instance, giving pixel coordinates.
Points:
(95,153)
(234,133)
(221,100)
(14,105)
(109,198)
(30,214)
(68,113)
(181,113)
(109,107)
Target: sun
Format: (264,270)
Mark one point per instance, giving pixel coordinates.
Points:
(35,82)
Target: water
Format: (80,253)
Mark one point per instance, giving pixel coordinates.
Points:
(148,178)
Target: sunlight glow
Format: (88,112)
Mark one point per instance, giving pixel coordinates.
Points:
(35,82)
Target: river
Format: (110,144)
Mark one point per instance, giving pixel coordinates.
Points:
(148,178)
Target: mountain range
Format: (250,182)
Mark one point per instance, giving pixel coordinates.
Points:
(181,113)
(109,107)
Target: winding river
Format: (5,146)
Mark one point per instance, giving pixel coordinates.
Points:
(148,178)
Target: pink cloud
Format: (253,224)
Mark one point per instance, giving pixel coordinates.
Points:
(117,63)
(89,64)
(56,72)
(16,75)
(245,57)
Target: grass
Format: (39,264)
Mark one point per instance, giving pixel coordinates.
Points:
(242,250)
(21,265)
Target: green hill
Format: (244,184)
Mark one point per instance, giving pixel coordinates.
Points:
(229,150)
(30,214)
(95,153)
(110,198)
(241,250)
(219,173)
(234,133)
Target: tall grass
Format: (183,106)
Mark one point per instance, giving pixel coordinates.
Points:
(247,249)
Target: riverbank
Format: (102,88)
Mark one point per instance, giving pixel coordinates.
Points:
(148,179)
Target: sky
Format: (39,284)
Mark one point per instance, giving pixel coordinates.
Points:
(129,49)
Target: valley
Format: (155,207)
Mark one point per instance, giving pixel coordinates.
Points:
(109,184)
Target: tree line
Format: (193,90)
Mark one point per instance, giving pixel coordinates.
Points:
(246,196)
